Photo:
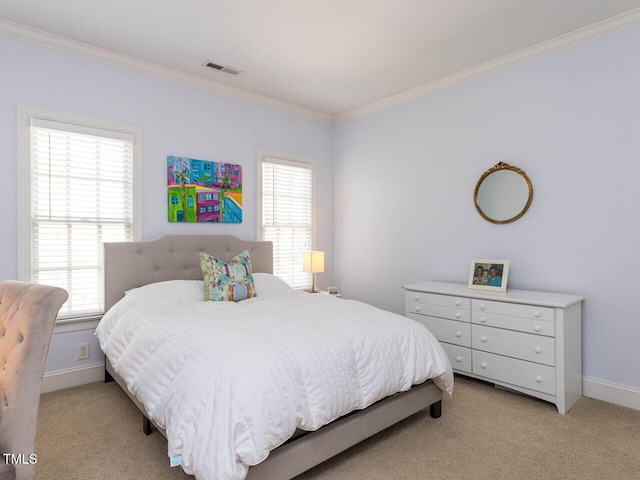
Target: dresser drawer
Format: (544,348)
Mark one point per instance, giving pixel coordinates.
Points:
(462,315)
(533,376)
(441,300)
(450,331)
(513,309)
(460,357)
(533,348)
(528,325)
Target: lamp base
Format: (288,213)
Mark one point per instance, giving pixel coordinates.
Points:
(313,284)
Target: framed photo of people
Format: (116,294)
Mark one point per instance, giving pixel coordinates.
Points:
(489,275)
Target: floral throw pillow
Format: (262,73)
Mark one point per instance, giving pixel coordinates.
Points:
(231,281)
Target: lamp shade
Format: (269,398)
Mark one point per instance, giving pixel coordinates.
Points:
(313,261)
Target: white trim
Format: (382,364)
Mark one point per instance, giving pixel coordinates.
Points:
(617,394)
(72,377)
(64,44)
(563,42)
(66,326)
(24,249)
(82,129)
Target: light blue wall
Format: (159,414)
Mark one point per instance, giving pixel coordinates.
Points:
(404,181)
(176,120)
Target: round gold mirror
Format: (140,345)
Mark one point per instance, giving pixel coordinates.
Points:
(503,194)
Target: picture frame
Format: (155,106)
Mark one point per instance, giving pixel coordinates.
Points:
(486,274)
(203,191)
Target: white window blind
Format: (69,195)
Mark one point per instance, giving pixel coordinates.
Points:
(288,216)
(81,193)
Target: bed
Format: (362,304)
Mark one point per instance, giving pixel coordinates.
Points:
(260,442)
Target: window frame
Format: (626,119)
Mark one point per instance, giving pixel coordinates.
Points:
(291,160)
(25,113)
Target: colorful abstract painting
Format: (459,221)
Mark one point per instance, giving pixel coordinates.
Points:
(203,191)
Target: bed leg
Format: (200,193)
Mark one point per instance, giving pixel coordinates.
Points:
(435,410)
(146,425)
(107,377)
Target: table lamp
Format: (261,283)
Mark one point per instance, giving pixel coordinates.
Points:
(313,262)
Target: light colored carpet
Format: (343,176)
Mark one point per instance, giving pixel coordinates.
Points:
(95,432)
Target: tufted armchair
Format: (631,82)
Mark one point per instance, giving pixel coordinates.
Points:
(27,315)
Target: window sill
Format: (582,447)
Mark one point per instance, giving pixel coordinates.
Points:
(76,324)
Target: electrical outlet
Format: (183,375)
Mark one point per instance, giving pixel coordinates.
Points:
(83,351)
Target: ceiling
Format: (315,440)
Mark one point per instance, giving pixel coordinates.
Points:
(327,56)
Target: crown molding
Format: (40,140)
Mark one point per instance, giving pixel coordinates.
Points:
(562,42)
(67,45)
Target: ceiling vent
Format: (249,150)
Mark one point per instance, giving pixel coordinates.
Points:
(222,68)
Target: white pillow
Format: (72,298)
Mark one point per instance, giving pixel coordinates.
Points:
(266,283)
(168,290)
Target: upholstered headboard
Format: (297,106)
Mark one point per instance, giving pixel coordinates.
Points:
(171,257)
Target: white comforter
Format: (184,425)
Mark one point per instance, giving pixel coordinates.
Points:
(232,381)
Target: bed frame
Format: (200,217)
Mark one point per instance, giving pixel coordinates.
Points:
(133,264)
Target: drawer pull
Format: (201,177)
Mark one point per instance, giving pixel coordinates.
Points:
(417,309)
(537,349)
(458,333)
(537,328)
(536,314)
(538,378)
(483,364)
(482,307)
(483,339)
(457,303)
(458,359)
(457,314)
(417,297)
(483,319)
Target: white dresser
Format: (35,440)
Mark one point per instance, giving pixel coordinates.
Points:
(522,340)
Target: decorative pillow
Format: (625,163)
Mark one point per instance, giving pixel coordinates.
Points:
(230,281)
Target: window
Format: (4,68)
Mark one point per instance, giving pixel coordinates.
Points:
(286,212)
(77,189)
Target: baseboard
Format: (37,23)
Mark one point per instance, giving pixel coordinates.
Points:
(72,377)
(617,394)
